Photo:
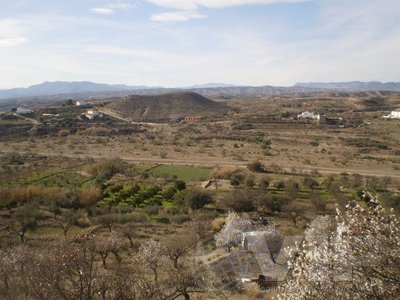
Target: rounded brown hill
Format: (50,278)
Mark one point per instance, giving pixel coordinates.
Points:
(165,107)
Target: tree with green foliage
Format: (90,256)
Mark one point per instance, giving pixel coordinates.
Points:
(239,201)
(68,219)
(180,185)
(196,199)
(310,182)
(25,218)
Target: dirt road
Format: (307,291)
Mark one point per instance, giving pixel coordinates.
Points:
(242,164)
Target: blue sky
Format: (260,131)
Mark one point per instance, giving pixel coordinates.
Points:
(183,42)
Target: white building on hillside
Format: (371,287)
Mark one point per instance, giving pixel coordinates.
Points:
(92,114)
(395,114)
(309,115)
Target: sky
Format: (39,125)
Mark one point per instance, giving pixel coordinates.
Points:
(177,43)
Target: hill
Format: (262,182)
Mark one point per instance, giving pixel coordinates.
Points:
(163,107)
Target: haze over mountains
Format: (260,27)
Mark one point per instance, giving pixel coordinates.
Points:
(59,90)
(353,85)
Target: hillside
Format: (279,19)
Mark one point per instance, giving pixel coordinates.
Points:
(169,106)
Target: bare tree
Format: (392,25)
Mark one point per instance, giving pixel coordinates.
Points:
(318,203)
(179,245)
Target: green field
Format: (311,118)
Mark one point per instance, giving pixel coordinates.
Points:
(182,173)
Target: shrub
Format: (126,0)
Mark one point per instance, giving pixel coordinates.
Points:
(105,169)
(273,203)
(180,219)
(310,183)
(196,199)
(256,166)
(162,220)
(280,184)
(153,210)
(63,133)
(12,159)
(180,185)
(239,201)
(249,182)
(89,197)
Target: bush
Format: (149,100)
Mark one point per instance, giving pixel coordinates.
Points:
(180,219)
(153,210)
(239,201)
(162,220)
(89,197)
(310,183)
(256,166)
(106,169)
(180,185)
(63,133)
(249,182)
(280,184)
(366,143)
(12,159)
(236,179)
(196,199)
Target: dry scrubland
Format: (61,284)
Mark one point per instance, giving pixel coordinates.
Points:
(141,203)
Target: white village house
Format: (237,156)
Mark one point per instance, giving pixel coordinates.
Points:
(92,114)
(309,115)
(394,114)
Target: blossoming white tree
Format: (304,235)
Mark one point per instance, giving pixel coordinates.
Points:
(231,234)
(360,259)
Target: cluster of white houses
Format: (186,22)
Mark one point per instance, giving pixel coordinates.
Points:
(24,111)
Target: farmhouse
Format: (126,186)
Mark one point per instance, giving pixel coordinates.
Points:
(395,114)
(308,116)
(92,114)
(82,104)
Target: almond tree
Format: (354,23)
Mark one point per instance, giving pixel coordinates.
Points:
(151,255)
(179,245)
(360,259)
(25,218)
(104,245)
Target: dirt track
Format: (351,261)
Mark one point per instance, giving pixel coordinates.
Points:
(234,163)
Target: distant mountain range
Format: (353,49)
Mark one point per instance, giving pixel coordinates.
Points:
(63,87)
(352,85)
(59,91)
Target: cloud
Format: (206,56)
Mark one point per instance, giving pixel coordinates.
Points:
(102,11)
(177,16)
(11,33)
(194,4)
(120,6)
(13,42)
(121,51)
